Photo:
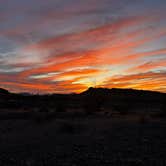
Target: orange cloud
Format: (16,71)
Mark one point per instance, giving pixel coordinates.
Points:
(148,66)
(70,59)
(144,81)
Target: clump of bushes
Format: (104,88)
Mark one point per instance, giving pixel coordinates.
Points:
(91,106)
(60,107)
(71,127)
(142,119)
(122,109)
(42,115)
(163,110)
(161,113)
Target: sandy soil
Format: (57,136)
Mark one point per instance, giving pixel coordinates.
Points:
(88,141)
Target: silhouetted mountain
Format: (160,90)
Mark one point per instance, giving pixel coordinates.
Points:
(96,91)
(117,96)
(120,92)
(98,97)
(3,91)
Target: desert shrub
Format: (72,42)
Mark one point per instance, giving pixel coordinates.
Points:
(43,117)
(43,109)
(38,118)
(76,115)
(40,115)
(122,109)
(71,128)
(107,113)
(60,107)
(161,112)
(142,119)
(91,106)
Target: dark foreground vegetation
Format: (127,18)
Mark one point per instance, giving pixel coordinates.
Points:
(95,128)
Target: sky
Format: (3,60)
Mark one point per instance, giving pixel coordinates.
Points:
(66,46)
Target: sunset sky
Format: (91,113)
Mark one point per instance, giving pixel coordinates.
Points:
(64,46)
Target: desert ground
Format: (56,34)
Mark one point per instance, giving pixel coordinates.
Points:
(128,140)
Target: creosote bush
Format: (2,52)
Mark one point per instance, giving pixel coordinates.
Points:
(142,119)
(61,107)
(71,127)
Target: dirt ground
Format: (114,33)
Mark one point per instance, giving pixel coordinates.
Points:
(87,141)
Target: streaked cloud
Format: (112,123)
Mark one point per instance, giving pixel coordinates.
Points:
(68,46)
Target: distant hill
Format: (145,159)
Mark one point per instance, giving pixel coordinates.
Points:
(125,95)
(102,96)
(3,91)
(118,91)
(96,91)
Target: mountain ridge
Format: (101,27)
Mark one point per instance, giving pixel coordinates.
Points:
(4,91)
(89,91)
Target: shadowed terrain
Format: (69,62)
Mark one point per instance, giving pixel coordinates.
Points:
(97,127)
